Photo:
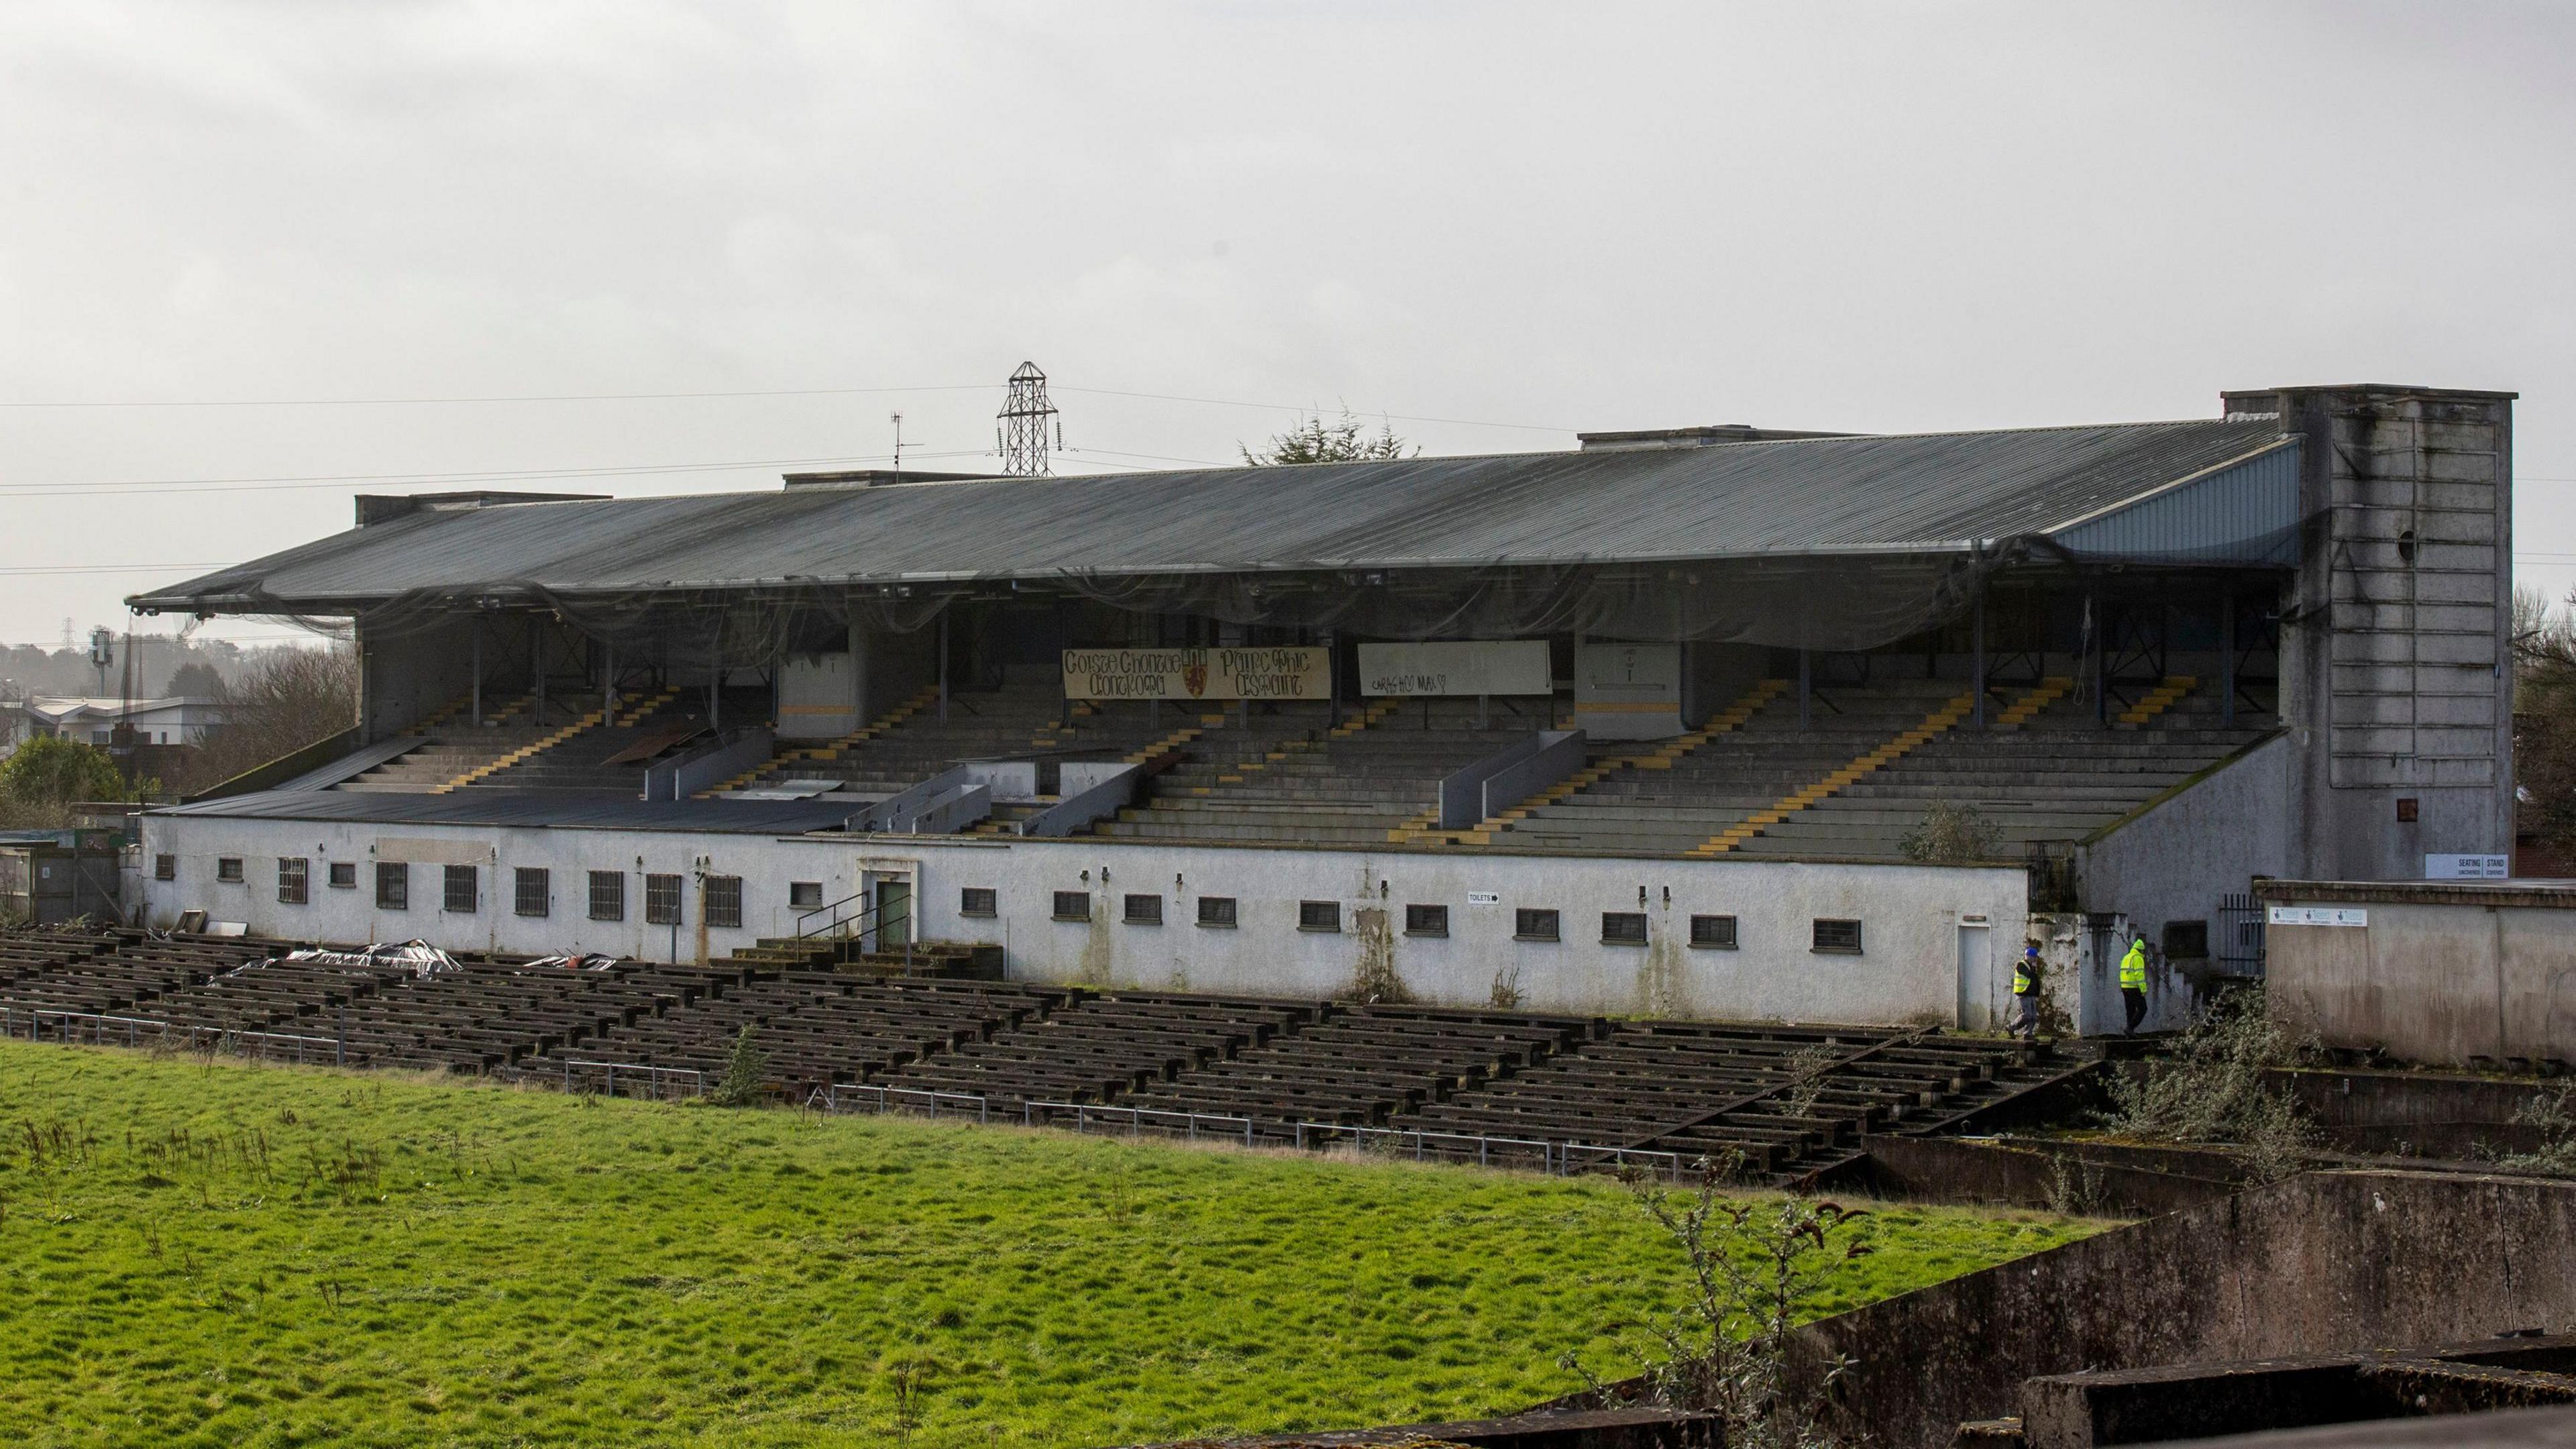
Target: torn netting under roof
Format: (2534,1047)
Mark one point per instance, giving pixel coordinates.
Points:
(1822,602)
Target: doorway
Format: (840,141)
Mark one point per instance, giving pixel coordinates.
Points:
(1976,974)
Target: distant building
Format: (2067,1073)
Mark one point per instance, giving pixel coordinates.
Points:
(181,721)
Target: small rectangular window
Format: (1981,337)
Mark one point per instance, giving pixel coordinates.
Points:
(661,900)
(532,892)
(1319,915)
(724,900)
(1216,910)
(1534,925)
(1713,933)
(1426,920)
(1072,905)
(1623,928)
(228,869)
(804,895)
(979,901)
(393,886)
(608,895)
(165,867)
(1144,910)
(464,893)
(294,879)
(1838,937)
(344,875)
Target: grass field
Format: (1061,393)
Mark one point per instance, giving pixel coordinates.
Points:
(230,1255)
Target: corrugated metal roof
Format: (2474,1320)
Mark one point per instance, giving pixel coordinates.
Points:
(1820,495)
(534,808)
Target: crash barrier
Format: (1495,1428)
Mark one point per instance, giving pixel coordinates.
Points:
(660,1083)
(1556,1159)
(850,1097)
(1164,1124)
(95,1028)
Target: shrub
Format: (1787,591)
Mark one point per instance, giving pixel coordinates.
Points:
(740,1086)
(2210,1089)
(1949,835)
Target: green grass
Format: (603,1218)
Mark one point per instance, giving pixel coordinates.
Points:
(229,1255)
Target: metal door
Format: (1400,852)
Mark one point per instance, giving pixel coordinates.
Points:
(1976,974)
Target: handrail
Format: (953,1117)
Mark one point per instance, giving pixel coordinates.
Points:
(1135,1117)
(844,928)
(653,1076)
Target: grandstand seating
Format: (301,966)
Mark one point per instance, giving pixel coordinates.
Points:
(1100,1048)
(914,744)
(2048,773)
(580,760)
(1293,776)
(1790,1100)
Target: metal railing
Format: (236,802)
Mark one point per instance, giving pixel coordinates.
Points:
(107,1029)
(853,1097)
(1185,1124)
(1556,1159)
(654,1078)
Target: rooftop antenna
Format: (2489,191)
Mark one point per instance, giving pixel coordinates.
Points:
(1022,436)
(898,447)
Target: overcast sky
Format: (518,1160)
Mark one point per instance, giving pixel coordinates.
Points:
(1494,224)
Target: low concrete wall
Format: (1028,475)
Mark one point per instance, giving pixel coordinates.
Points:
(2321,1263)
(2039,1175)
(2448,975)
(1908,972)
(2420,1114)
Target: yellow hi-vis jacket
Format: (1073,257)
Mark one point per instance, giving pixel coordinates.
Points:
(2133,968)
(2024,983)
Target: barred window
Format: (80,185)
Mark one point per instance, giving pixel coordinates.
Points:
(165,867)
(1216,910)
(294,878)
(532,891)
(979,901)
(661,900)
(1534,924)
(1319,915)
(228,869)
(344,875)
(1841,938)
(1713,933)
(1072,905)
(1426,920)
(1623,928)
(464,890)
(724,900)
(393,886)
(1144,910)
(608,895)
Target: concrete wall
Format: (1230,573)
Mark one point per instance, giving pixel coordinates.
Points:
(2324,1262)
(1908,972)
(2431,981)
(2395,657)
(2174,862)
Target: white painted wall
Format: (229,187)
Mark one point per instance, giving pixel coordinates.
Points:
(1908,971)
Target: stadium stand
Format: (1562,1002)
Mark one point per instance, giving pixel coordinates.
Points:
(1296,777)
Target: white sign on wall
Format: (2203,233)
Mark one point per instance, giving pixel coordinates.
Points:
(2468,867)
(2320,916)
(1484,898)
(1481,666)
(1288,672)
(1628,691)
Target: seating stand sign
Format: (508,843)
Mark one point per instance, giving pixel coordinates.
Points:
(1477,668)
(1286,672)
(2468,867)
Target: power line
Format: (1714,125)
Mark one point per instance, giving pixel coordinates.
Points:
(1222,402)
(559,397)
(329,480)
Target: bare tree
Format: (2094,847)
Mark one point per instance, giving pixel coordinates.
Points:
(288,699)
(1314,440)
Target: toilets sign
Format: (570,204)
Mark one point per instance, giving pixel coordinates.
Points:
(1289,672)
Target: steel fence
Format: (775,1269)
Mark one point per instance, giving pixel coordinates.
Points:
(653,1077)
(854,1097)
(1179,1124)
(98,1028)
